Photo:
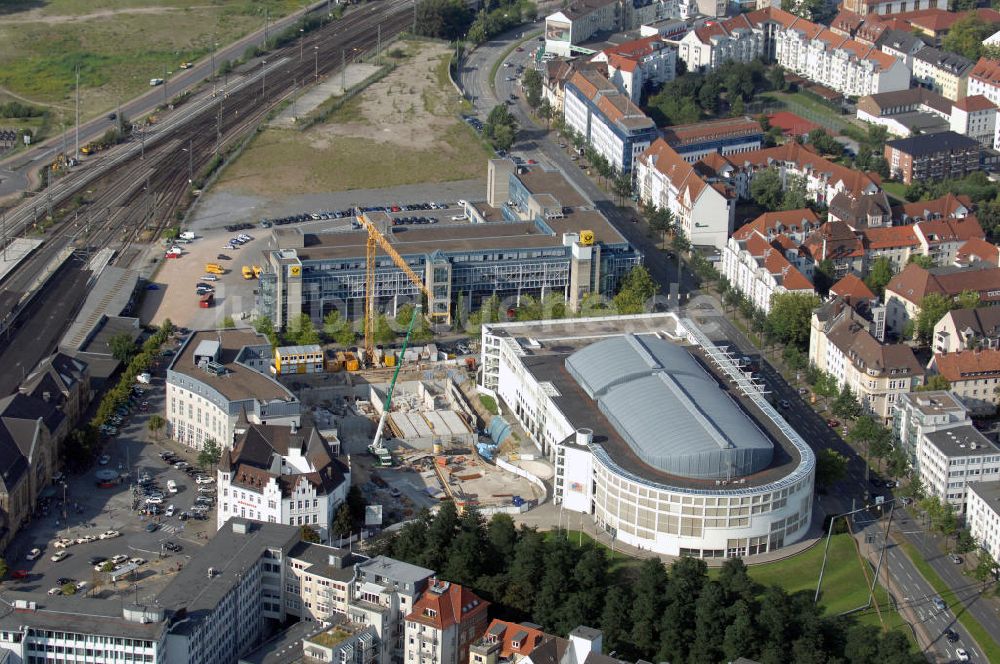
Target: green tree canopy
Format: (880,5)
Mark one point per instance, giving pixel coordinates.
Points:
(932,309)
(635,292)
(831,467)
(338,329)
(531,82)
(209,454)
(767,190)
(790,315)
(879,275)
(934,383)
(301,331)
(967,35)
(846,404)
(122,347)
(824,142)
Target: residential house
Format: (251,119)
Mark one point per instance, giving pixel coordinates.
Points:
(974,376)
(841,344)
(942,71)
(836,242)
(703,210)
(507,642)
(443,623)
(984,79)
(584,646)
(976,117)
(636,64)
(740,39)
(34,425)
(558,71)
(607,119)
(901,45)
(861,212)
(896,243)
(947,461)
(982,515)
(941,238)
(725,136)
(932,156)
(967,329)
(794,224)
(977,252)
(321,577)
(936,23)
(906,290)
(760,268)
(948,206)
(856,294)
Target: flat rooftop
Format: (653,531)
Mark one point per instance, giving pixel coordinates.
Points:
(110,295)
(229,554)
(962,441)
(989,492)
(285,647)
(938,402)
(539,180)
(548,364)
(85,615)
(239,382)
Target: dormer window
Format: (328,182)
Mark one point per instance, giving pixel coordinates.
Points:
(430,613)
(515,644)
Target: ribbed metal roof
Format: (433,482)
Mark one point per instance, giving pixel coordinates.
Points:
(668,409)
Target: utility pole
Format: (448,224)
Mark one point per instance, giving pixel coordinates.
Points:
(190,160)
(267,16)
(164,85)
(3,232)
(142,143)
(343,73)
(302,39)
(214,83)
(263,78)
(414,31)
(77,111)
(316,51)
(218,128)
(378,48)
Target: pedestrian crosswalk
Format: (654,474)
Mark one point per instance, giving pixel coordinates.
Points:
(172,528)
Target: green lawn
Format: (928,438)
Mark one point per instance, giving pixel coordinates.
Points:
(895,189)
(809,108)
(118,45)
(986,640)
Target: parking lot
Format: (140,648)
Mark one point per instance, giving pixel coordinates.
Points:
(90,510)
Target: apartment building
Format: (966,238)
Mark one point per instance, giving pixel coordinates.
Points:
(607,119)
(507,642)
(967,329)
(948,206)
(760,268)
(942,71)
(974,376)
(982,515)
(321,578)
(984,79)
(906,290)
(976,117)
(948,460)
(835,61)
(838,243)
(558,72)
(384,592)
(889,7)
(796,225)
(444,623)
(901,45)
(861,212)
(703,210)
(215,376)
(920,413)
(942,238)
(841,344)
(932,156)
(739,39)
(725,136)
(281,474)
(640,62)
(896,243)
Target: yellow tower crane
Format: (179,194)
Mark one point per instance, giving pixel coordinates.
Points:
(377,239)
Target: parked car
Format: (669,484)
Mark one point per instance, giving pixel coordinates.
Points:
(103,459)
(956,559)
(962,655)
(152,527)
(170,511)
(55,591)
(97,560)
(119,559)
(59,555)
(34,554)
(204,479)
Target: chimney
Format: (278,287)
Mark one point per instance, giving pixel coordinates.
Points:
(583,641)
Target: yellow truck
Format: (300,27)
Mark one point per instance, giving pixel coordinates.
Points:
(247,272)
(214,268)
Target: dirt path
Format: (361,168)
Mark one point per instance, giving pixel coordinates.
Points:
(42,104)
(36,15)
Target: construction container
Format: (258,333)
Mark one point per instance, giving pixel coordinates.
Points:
(333,363)
(247,272)
(214,268)
(390,360)
(351,362)
(257,269)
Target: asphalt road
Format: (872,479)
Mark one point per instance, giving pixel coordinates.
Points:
(14,170)
(854,489)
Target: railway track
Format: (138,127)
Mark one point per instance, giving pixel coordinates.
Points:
(141,185)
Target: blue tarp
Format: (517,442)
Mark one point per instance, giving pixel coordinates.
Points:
(498,429)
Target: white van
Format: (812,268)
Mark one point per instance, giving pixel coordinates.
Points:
(187,235)
(171,486)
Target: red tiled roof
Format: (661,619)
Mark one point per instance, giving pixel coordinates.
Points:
(834,240)
(946,206)
(891,237)
(699,131)
(914,283)
(504,632)
(856,182)
(444,604)
(680,173)
(852,288)
(591,82)
(769,222)
(974,103)
(846,21)
(987,71)
(949,229)
(790,277)
(978,249)
(623,63)
(967,365)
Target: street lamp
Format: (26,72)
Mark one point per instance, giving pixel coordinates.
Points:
(302,38)
(190,152)
(316,51)
(263,77)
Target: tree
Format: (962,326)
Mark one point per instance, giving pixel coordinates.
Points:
(155,424)
(986,568)
(790,317)
(68,588)
(209,454)
(500,127)
(932,309)
(383,331)
(766,189)
(228,323)
(623,187)
(338,329)
(443,19)
(967,299)
(661,220)
(831,467)
(637,288)
(824,277)
(967,35)
(923,261)
(264,325)
(776,78)
(964,541)
(343,524)
(648,605)
(546,112)
(615,621)
(302,332)
(531,82)
(824,142)
(310,535)
(122,347)
(795,194)
(879,275)
(935,383)
(846,404)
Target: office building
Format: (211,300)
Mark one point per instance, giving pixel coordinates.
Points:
(948,460)
(982,515)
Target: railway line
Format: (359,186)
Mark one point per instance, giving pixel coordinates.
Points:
(142,184)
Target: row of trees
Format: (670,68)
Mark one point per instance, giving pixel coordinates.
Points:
(788,321)
(676,614)
(453,19)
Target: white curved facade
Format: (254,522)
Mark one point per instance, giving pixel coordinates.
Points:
(732,518)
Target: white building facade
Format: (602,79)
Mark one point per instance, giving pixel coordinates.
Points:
(982,515)
(948,460)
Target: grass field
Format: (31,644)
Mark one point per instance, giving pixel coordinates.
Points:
(408,119)
(117,44)
(896,189)
(985,640)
